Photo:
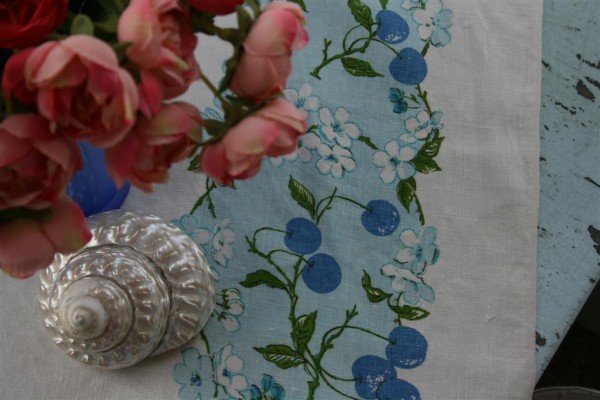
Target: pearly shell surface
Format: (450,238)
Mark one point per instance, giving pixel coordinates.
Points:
(139,288)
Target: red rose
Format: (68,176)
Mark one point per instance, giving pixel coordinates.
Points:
(218,7)
(25,23)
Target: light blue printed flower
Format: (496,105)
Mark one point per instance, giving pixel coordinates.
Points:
(211,113)
(336,128)
(395,161)
(409,4)
(302,98)
(191,226)
(269,390)
(227,367)
(434,22)
(418,249)
(230,309)
(420,126)
(405,283)
(223,238)
(194,375)
(335,160)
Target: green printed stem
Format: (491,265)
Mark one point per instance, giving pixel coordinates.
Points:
(206,196)
(330,198)
(337,378)
(347,35)
(205,340)
(253,249)
(328,60)
(420,210)
(423,96)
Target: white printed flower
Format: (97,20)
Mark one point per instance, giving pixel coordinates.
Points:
(335,127)
(434,22)
(406,285)
(335,160)
(420,125)
(395,162)
(418,249)
(302,98)
(222,241)
(227,367)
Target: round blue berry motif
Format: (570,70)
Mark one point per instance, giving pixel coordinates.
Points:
(370,372)
(409,67)
(397,389)
(392,28)
(322,274)
(381,218)
(302,236)
(407,348)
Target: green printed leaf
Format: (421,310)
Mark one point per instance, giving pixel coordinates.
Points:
(304,329)
(375,295)
(357,67)
(425,164)
(367,140)
(431,149)
(303,197)
(263,277)
(281,355)
(361,13)
(82,25)
(406,192)
(409,313)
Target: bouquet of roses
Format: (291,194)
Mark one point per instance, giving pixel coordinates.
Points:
(107,72)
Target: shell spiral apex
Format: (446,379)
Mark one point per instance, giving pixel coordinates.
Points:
(139,288)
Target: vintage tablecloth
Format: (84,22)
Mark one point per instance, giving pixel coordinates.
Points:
(391,257)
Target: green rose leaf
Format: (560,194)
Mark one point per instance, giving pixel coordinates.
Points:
(304,329)
(281,355)
(214,127)
(375,295)
(194,163)
(301,4)
(409,313)
(361,13)
(303,197)
(357,67)
(406,192)
(263,277)
(82,25)
(425,164)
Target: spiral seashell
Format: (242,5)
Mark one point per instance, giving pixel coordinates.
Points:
(139,288)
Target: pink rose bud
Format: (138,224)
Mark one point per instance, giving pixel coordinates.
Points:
(81,88)
(35,164)
(266,62)
(13,78)
(272,131)
(30,238)
(217,7)
(147,153)
(162,43)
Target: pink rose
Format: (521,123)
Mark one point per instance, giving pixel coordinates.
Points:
(272,131)
(29,238)
(266,62)
(162,42)
(147,153)
(81,88)
(217,7)
(35,164)
(13,77)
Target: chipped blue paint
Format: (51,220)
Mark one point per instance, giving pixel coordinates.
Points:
(568,263)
